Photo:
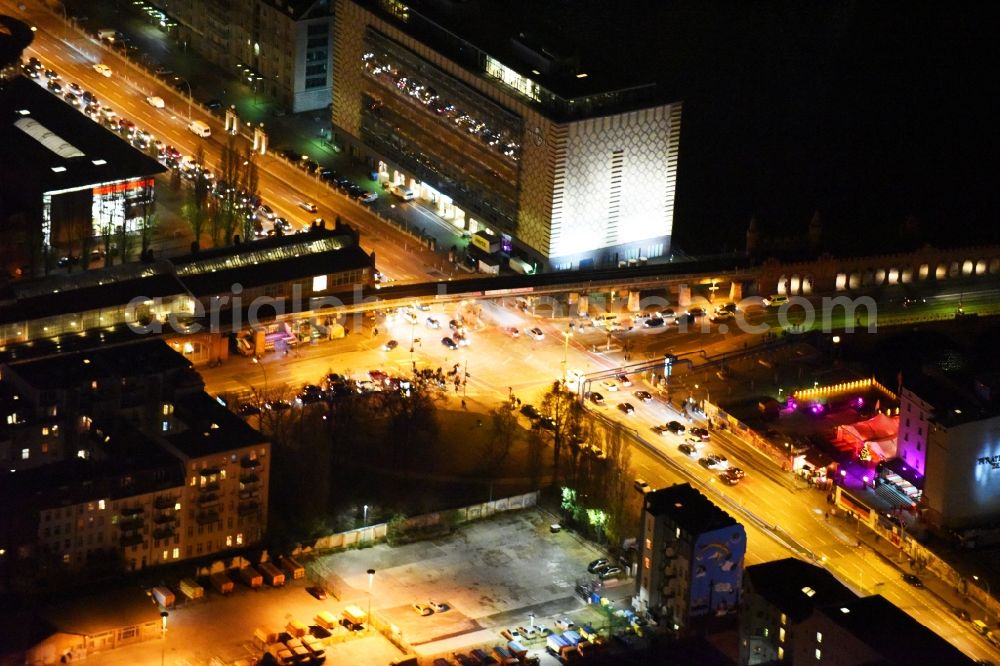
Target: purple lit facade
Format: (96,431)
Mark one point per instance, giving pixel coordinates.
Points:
(914,420)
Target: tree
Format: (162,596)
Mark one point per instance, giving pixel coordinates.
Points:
(562,407)
(616,475)
(250,183)
(411,423)
(503,431)
(195,208)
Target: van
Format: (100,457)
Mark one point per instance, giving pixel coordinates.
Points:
(981,627)
(775,300)
(109,34)
(325,619)
(200,128)
(355,615)
(605,319)
(164,596)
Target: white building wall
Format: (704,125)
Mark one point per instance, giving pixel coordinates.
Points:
(962,487)
(615,182)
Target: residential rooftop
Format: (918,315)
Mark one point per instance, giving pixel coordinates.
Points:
(209,427)
(796,587)
(688,508)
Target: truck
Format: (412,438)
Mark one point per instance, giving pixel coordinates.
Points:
(521,266)
(559,646)
(264,636)
(517,649)
(504,656)
(251,577)
(164,596)
(315,647)
(191,589)
(271,574)
(109,34)
(221,583)
(296,628)
(355,615)
(325,619)
(294,570)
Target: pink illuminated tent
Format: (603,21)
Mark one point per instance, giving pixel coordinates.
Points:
(879,432)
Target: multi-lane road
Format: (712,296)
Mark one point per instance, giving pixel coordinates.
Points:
(282,186)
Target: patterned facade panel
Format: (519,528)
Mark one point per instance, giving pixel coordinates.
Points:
(620,174)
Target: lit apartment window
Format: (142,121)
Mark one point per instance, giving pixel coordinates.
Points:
(646,563)
(53,410)
(25,454)
(93,384)
(239,539)
(784,619)
(819,637)
(166,426)
(45,431)
(100,504)
(12,418)
(177,553)
(819,654)
(45,447)
(677,533)
(781,653)
(177,506)
(319,283)
(164,555)
(229,541)
(781,635)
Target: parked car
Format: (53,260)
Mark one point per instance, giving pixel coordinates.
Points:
(438,608)
(720,317)
(422,609)
(248,409)
(318,592)
(962,614)
(277,405)
(564,624)
(775,300)
(433,322)
(367,197)
(696,312)
(654,322)
(511,634)
(915,581)
(597,564)
(609,572)
(512,331)
(641,485)
(309,394)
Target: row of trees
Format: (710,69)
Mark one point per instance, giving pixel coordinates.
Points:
(222,217)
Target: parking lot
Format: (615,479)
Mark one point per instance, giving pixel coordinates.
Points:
(492,574)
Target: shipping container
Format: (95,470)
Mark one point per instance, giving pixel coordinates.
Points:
(164,596)
(191,589)
(221,583)
(271,574)
(293,569)
(251,577)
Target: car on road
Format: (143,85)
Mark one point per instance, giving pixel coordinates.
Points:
(697,312)
(565,624)
(214,104)
(422,609)
(654,322)
(609,572)
(714,461)
(675,427)
(730,307)
(962,614)
(720,317)
(71,99)
(623,380)
(644,396)
(546,423)
(700,433)
(529,411)
(318,592)
(775,300)
(512,331)
(404,193)
(54,86)
(535,333)
(433,322)
(156,102)
(277,405)
(641,485)
(309,394)
(597,564)
(596,398)
(685,319)
(626,407)
(693,439)
(367,197)
(732,476)
(913,580)
(660,429)
(438,608)
(454,325)
(610,384)
(688,449)
(248,409)
(103,70)
(449,343)
(309,206)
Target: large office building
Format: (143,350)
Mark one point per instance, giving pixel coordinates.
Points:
(565,152)
(949,433)
(692,558)
(280,47)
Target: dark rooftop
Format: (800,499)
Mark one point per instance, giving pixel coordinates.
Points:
(688,508)
(211,428)
(892,633)
(795,587)
(105,612)
(57,147)
(69,370)
(112,294)
(956,399)
(574,50)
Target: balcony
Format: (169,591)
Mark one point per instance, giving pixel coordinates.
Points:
(247,508)
(132,511)
(208,499)
(131,540)
(249,494)
(247,463)
(206,517)
(249,479)
(210,487)
(163,532)
(162,502)
(131,523)
(165,518)
(210,471)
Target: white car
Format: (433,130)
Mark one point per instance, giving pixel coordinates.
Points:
(404,193)
(156,102)
(775,300)
(535,333)
(102,69)
(308,205)
(610,384)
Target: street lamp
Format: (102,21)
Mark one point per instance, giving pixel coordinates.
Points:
(364,522)
(985,584)
(263,369)
(190,96)
(371,578)
(163,635)
(566,336)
